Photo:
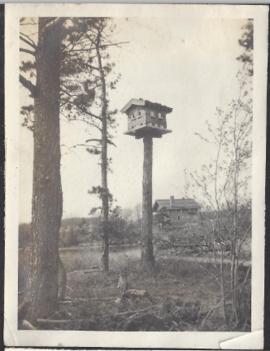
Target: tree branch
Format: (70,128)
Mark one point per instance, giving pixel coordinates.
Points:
(114,44)
(88,146)
(110,142)
(82,109)
(82,120)
(28,40)
(28,85)
(101,46)
(95,140)
(88,112)
(28,51)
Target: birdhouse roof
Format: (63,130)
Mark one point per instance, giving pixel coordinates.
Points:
(145,103)
(176,204)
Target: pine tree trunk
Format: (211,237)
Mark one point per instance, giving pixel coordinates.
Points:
(104,163)
(105,206)
(148,261)
(47,191)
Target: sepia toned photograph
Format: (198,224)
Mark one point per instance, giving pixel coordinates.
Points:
(136,136)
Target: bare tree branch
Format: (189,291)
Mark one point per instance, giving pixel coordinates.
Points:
(95,140)
(28,51)
(101,46)
(26,39)
(110,142)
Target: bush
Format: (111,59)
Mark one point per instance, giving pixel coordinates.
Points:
(121,230)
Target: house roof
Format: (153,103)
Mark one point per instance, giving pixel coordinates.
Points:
(176,204)
(145,103)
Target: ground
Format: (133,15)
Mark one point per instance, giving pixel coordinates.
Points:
(184,295)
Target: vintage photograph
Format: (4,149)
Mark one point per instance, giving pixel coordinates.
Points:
(135,186)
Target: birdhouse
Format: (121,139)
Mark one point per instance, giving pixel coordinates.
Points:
(146,118)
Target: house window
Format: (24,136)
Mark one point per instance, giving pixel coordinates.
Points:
(152,113)
(178,217)
(160,115)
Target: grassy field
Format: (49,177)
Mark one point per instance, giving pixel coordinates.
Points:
(184,294)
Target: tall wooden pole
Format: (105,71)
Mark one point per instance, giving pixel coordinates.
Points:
(148,260)
(147,129)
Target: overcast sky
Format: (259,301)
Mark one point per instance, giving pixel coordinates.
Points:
(189,65)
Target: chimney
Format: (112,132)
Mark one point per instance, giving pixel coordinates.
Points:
(171,201)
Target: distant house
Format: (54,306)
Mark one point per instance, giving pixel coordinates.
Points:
(177,211)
